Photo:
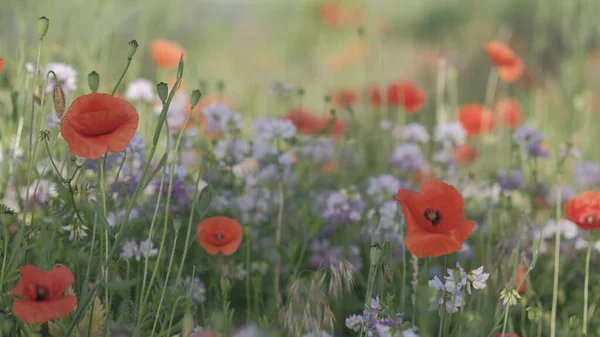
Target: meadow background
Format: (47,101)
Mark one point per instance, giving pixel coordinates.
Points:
(265,58)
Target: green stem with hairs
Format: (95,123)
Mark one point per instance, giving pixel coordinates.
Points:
(586,287)
(556,263)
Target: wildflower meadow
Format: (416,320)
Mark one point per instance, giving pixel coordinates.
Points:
(309,168)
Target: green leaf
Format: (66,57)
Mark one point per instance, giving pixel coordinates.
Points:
(162,163)
(283,254)
(82,309)
(203,202)
(119,285)
(100,215)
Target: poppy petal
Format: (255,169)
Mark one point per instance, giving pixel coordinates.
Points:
(500,53)
(30,275)
(58,279)
(231,247)
(464,230)
(423,244)
(39,312)
(511,72)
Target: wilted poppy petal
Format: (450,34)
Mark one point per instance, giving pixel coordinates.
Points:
(39,312)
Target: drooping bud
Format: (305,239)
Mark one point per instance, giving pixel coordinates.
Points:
(133,45)
(93,81)
(196,95)
(220,87)
(58,96)
(42,27)
(163,91)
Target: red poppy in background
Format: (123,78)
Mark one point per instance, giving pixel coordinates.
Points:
(42,294)
(520,279)
(374,95)
(510,66)
(335,129)
(584,210)
(1,64)
(509,112)
(305,121)
(508,334)
(464,154)
(335,15)
(98,123)
(476,119)
(343,98)
(406,95)
(435,221)
(165,53)
(220,234)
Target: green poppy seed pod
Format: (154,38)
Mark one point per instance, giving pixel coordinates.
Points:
(196,95)
(177,224)
(133,45)
(375,255)
(58,96)
(42,27)
(163,91)
(93,81)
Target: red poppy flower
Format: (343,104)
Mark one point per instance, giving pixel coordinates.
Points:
(336,130)
(1,64)
(220,234)
(165,53)
(584,210)
(98,123)
(464,154)
(42,294)
(520,277)
(343,98)
(406,95)
(305,121)
(435,221)
(375,97)
(509,112)
(510,66)
(337,16)
(476,119)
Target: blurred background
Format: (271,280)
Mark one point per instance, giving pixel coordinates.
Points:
(321,46)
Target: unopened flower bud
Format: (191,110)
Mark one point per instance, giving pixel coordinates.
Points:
(375,255)
(163,91)
(133,45)
(58,96)
(93,81)
(42,27)
(188,323)
(177,223)
(180,68)
(196,95)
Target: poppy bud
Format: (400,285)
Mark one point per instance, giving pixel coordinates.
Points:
(327,99)
(58,96)
(163,91)
(375,255)
(133,45)
(196,95)
(93,81)
(301,91)
(177,224)
(42,26)
(188,323)
(220,86)
(180,68)
(225,287)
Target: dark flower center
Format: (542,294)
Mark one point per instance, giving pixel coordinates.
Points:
(590,219)
(433,215)
(219,236)
(41,293)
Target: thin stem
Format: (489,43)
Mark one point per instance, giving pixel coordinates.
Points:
(505,321)
(35,84)
(122,76)
(586,287)
(277,244)
(556,263)
(164,290)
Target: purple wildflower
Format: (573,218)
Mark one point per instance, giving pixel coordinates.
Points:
(408,157)
(512,181)
(586,174)
(384,187)
(531,140)
(342,207)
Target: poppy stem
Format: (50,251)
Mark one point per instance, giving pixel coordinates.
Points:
(277,244)
(586,286)
(556,262)
(112,93)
